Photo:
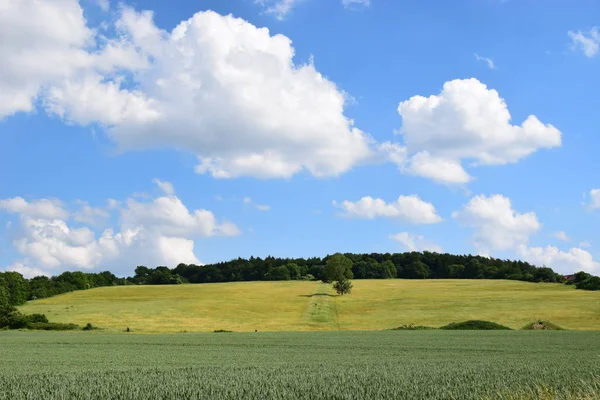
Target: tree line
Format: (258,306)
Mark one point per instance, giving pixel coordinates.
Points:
(16,290)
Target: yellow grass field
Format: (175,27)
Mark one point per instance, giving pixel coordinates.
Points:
(302,306)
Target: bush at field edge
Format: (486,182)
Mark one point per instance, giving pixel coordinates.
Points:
(475,325)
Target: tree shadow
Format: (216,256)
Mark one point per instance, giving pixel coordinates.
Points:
(318,294)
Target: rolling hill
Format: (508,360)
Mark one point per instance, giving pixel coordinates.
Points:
(303,306)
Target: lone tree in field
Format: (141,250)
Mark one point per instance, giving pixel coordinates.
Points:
(343,287)
(338,269)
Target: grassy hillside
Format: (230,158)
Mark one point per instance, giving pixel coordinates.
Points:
(301,306)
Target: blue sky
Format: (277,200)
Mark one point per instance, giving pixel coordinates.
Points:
(156,133)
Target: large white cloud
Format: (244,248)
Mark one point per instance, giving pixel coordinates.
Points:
(410,209)
(46,43)
(466,122)
(223,89)
(574,260)
(497,226)
(161,231)
(414,242)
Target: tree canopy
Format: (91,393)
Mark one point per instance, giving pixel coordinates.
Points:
(16,290)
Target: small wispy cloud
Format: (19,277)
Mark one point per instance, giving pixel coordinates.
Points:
(588,42)
(279,8)
(488,61)
(103,4)
(351,3)
(260,207)
(560,235)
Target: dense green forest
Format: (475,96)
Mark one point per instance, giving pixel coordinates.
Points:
(16,290)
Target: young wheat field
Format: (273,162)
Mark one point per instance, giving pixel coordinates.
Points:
(312,306)
(302,365)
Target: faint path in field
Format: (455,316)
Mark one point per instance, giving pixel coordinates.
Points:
(321,311)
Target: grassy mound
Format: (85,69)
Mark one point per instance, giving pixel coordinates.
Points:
(543,326)
(476,325)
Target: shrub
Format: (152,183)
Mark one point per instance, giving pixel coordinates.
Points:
(592,283)
(542,325)
(475,325)
(222,331)
(52,326)
(89,327)
(412,327)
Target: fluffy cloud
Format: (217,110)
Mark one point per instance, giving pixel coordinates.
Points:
(47,43)
(497,226)
(166,187)
(588,43)
(410,209)
(571,261)
(415,242)
(561,236)
(156,232)
(44,208)
(220,88)
(594,199)
(439,169)
(466,122)
(27,272)
(167,215)
(42,41)
(92,215)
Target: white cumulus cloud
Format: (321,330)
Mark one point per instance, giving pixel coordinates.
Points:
(574,260)
(409,209)
(91,215)
(227,91)
(47,44)
(159,231)
(496,224)
(215,86)
(414,242)
(26,271)
(466,122)
(43,208)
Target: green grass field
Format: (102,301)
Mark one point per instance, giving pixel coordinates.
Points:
(304,306)
(301,365)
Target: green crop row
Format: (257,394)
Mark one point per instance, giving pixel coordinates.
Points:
(326,365)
